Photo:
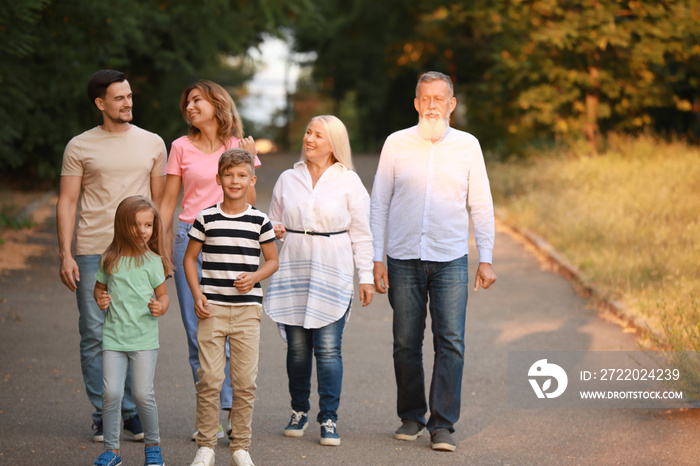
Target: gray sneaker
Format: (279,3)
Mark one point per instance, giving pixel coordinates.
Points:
(409,430)
(441,440)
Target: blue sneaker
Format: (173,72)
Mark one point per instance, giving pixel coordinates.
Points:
(154,456)
(98,435)
(329,433)
(108,458)
(297,424)
(133,426)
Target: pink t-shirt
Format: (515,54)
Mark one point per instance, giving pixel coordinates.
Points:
(198,172)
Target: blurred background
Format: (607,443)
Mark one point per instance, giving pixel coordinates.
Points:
(528,74)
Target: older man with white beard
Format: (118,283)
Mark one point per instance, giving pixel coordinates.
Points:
(429,178)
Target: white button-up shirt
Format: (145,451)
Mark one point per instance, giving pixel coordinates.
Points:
(422,196)
(314,284)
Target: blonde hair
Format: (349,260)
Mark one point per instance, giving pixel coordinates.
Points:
(228,120)
(124,242)
(338,138)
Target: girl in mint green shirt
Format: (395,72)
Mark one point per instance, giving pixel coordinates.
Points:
(131,270)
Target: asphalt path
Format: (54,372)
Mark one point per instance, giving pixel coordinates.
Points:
(45,414)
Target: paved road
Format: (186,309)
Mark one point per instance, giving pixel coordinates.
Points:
(45,415)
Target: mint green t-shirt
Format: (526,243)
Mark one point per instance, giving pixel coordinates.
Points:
(129,325)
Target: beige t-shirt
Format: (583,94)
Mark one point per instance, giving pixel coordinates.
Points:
(113,166)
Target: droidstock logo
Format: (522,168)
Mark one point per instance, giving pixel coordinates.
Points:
(544,371)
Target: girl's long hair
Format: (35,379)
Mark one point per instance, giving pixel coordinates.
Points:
(227,117)
(124,241)
(338,138)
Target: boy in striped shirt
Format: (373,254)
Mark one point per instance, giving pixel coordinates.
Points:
(228,302)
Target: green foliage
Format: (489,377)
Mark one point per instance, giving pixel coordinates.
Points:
(161,45)
(525,70)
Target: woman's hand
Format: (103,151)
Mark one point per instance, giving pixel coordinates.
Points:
(249,145)
(280,230)
(366,293)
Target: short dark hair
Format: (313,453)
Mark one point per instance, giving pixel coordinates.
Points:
(234,157)
(100,81)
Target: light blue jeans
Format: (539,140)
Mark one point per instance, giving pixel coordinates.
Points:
(441,288)
(142,367)
(189,317)
(90,324)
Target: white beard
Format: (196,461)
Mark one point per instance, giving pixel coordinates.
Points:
(432,130)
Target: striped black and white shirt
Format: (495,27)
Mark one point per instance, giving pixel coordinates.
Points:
(230,246)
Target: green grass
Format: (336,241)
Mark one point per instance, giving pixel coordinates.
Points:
(627,218)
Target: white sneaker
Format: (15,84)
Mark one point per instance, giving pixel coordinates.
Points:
(241,458)
(204,457)
(219,433)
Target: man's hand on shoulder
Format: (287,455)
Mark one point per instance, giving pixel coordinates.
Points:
(485,276)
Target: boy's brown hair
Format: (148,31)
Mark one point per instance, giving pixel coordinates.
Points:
(234,157)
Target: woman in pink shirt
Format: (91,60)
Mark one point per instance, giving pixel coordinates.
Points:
(193,163)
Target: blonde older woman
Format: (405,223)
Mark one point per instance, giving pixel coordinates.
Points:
(321,210)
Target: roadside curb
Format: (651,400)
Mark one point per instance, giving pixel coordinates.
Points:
(599,298)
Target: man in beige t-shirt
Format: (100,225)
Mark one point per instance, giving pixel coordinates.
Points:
(101,167)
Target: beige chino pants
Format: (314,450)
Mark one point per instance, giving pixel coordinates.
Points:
(241,324)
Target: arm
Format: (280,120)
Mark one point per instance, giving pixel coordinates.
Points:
(157,187)
(102,296)
(361,239)
(275,211)
(245,281)
(480,206)
(167,207)
(249,145)
(189,264)
(382,192)
(66,210)
(159,305)
(251,196)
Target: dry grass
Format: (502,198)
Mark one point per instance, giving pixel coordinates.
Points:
(629,218)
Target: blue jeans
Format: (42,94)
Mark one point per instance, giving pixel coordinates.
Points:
(414,284)
(141,365)
(90,323)
(189,317)
(302,345)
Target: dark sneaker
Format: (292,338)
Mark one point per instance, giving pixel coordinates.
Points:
(297,424)
(441,440)
(329,433)
(133,426)
(409,430)
(98,435)
(154,456)
(108,458)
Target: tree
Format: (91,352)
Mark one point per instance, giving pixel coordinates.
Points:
(162,46)
(524,69)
